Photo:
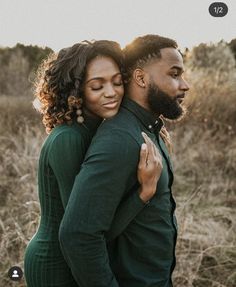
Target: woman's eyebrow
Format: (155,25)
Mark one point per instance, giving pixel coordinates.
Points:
(101,78)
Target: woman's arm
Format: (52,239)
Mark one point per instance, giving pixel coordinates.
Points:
(65,158)
(149,171)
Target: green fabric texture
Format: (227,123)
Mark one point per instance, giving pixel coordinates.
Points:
(60,160)
(144,253)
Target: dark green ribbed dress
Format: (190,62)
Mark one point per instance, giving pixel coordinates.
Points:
(61,157)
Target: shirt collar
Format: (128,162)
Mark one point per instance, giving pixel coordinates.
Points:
(150,122)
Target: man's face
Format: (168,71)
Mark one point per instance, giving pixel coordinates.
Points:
(166,86)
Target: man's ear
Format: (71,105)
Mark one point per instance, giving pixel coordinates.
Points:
(139,77)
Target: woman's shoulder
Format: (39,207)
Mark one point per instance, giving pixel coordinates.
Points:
(66,130)
(64,135)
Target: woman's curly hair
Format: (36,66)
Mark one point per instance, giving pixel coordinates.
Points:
(60,79)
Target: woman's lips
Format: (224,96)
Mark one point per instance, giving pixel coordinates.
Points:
(111,104)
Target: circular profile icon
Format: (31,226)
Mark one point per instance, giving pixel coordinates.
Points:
(15,273)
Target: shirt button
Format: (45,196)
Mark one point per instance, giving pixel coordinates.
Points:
(150,126)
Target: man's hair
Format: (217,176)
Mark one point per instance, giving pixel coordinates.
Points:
(144,49)
(139,53)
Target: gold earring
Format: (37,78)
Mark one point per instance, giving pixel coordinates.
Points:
(80,118)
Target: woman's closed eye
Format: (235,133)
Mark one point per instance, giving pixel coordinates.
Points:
(96,87)
(100,87)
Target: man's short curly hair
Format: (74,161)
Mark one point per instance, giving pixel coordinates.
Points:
(143,49)
(60,79)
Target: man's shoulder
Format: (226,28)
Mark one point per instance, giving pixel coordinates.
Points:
(122,129)
(124,121)
(118,138)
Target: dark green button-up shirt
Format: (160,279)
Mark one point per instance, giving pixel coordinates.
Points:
(143,255)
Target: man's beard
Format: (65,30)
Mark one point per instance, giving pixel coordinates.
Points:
(161,103)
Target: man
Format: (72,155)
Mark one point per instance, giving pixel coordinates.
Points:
(144,254)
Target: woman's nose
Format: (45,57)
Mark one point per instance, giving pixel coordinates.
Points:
(110,91)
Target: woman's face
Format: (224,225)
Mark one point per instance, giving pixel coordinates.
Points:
(103,88)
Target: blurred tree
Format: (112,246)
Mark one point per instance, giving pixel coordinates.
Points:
(34,54)
(210,69)
(18,65)
(215,60)
(16,74)
(232,46)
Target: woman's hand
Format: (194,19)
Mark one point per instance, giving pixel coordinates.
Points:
(149,169)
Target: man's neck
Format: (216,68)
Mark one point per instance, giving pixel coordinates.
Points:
(139,99)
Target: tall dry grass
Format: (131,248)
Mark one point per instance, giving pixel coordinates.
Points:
(205,181)
(205,168)
(21,136)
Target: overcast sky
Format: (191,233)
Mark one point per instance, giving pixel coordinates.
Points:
(61,23)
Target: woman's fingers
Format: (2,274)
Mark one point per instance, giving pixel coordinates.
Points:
(153,155)
(149,145)
(149,168)
(143,156)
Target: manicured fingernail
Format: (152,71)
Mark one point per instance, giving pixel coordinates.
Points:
(144,146)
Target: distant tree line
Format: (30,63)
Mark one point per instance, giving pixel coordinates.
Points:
(17,68)
(19,64)
(232,46)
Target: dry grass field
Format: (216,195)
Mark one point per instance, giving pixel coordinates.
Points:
(20,139)
(205,180)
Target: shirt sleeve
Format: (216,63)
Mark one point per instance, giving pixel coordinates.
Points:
(125,213)
(110,164)
(65,158)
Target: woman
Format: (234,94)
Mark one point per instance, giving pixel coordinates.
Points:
(77,90)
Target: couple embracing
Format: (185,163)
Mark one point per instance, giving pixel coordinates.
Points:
(105,174)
